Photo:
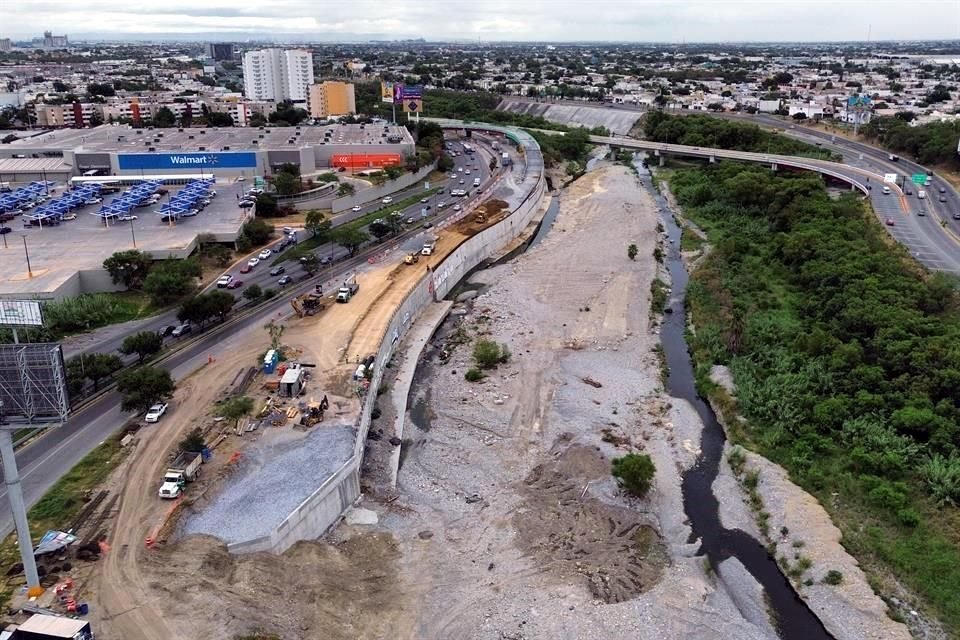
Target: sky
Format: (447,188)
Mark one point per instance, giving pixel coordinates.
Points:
(491,20)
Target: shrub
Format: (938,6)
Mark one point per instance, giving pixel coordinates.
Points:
(487,354)
(193,441)
(632,252)
(634,472)
(942,475)
(474,375)
(833,577)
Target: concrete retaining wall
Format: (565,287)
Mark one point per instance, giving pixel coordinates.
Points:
(375,193)
(324,508)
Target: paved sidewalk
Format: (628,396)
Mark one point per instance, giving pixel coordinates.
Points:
(413,344)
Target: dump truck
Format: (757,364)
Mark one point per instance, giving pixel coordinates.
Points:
(428,248)
(184,469)
(307,304)
(348,289)
(412,258)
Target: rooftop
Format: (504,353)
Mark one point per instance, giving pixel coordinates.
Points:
(125,138)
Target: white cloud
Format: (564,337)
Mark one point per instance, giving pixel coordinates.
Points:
(549,20)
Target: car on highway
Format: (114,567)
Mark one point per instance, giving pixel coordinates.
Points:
(167,331)
(387,200)
(891,223)
(266,253)
(461,182)
(224,280)
(235,284)
(456,207)
(155,412)
(284,281)
(289,230)
(253,262)
(325,260)
(956,216)
(181,331)
(241,179)
(246,269)
(127,218)
(428,225)
(410,220)
(441,205)
(943,189)
(278,271)
(943,198)
(424,200)
(356,207)
(467,172)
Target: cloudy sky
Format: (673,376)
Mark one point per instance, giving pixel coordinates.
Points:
(527,20)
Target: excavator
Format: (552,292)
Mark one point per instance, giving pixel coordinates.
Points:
(307,304)
(412,258)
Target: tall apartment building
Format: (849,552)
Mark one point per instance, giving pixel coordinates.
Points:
(332,98)
(5,44)
(277,74)
(51,41)
(219,51)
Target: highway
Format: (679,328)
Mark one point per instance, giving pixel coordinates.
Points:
(45,460)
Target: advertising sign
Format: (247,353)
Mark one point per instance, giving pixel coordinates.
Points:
(174,161)
(412,91)
(412,105)
(386,92)
(890,178)
(398,93)
(20,313)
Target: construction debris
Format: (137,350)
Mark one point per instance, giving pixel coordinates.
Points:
(590,381)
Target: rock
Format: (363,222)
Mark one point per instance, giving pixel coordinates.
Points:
(590,381)
(467,295)
(473,498)
(395,441)
(360,516)
(425,535)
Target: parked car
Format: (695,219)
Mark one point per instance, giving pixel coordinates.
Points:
(278,271)
(182,330)
(241,179)
(90,201)
(155,412)
(127,218)
(224,280)
(284,281)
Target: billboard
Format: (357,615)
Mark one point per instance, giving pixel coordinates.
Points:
(386,92)
(20,313)
(412,105)
(174,161)
(412,91)
(397,93)
(33,384)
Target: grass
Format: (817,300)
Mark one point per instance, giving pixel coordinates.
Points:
(658,297)
(61,504)
(690,241)
(92,311)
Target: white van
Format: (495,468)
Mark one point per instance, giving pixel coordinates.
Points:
(921,194)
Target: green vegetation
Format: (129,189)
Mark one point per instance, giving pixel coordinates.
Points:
(634,472)
(658,296)
(202,308)
(844,354)
(690,241)
(144,344)
(235,408)
(170,280)
(833,577)
(474,375)
(90,311)
(193,441)
(94,367)
(254,233)
(143,387)
(932,143)
(705,131)
(488,354)
(632,251)
(129,268)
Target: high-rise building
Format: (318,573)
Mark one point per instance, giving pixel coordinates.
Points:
(5,44)
(220,51)
(332,98)
(277,74)
(51,41)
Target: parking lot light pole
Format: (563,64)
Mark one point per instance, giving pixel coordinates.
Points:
(27,253)
(133,235)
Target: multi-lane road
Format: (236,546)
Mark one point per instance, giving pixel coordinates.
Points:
(45,460)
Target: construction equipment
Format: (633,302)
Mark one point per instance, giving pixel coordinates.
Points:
(348,289)
(412,258)
(313,412)
(307,304)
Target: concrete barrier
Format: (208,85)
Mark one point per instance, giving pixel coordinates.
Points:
(339,205)
(324,508)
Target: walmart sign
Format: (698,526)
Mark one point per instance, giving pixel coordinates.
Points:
(206,161)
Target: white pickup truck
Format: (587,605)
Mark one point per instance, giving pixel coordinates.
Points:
(183,470)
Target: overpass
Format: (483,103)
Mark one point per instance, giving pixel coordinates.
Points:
(916,224)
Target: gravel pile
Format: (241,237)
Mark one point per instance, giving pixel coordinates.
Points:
(275,476)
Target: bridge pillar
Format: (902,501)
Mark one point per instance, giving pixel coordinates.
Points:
(660,158)
(713,159)
(773,166)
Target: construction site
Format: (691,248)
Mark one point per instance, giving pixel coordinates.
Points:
(251,434)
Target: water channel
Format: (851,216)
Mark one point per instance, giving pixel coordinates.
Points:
(792,617)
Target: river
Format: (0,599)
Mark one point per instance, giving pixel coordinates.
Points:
(791,616)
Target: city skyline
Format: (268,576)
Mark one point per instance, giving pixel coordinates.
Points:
(493,20)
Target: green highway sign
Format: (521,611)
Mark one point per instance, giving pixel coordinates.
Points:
(919,178)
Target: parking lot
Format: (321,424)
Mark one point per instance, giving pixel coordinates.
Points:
(59,255)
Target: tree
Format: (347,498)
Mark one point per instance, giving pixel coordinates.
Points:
(171,279)
(165,118)
(143,387)
(252,292)
(379,229)
(276,332)
(95,119)
(493,164)
(317,223)
(349,238)
(310,263)
(202,308)
(346,189)
(257,231)
(286,184)
(634,472)
(445,163)
(128,268)
(632,252)
(488,354)
(193,442)
(97,366)
(105,89)
(235,408)
(938,94)
(799,115)
(217,119)
(266,206)
(145,343)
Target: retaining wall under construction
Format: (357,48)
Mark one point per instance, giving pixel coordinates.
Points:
(327,504)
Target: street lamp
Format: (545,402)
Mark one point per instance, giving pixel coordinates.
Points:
(27,253)
(133,235)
